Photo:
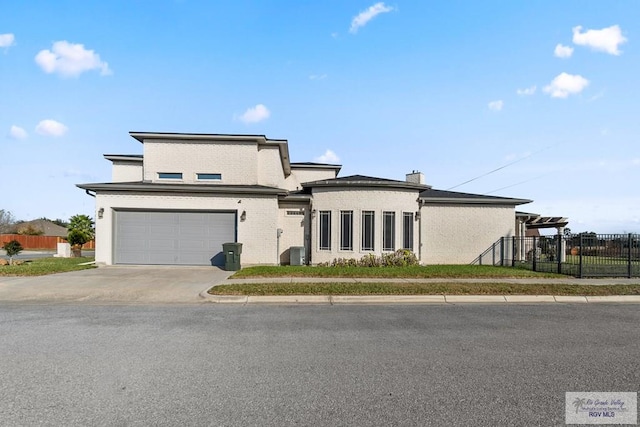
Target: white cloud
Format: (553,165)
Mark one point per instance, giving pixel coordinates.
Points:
(317,76)
(563,51)
(16,132)
(7,40)
(70,60)
(365,16)
(496,105)
(566,84)
(255,114)
(527,91)
(604,40)
(328,157)
(51,128)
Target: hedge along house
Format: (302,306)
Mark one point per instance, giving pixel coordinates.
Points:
(189,193)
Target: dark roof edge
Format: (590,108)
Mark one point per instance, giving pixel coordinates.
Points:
(308,165)
(366,184)
(181,188)
(124,157)
(473,200)
(141,136)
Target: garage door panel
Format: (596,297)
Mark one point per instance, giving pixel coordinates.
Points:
(162,245)
(187,238)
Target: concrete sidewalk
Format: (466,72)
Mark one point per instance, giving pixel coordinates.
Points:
(423,299)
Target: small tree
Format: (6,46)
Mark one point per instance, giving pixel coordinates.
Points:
(12,248)
(80,232)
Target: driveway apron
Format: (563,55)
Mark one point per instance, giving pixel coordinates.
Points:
(115,284)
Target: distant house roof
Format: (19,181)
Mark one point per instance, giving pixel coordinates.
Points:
(47,228)
(442,196)
(364,181)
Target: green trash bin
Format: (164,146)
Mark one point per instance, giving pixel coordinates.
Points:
(232,253)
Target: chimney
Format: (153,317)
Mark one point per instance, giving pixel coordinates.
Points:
(415,177)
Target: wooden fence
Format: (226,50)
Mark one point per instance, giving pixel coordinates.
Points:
(40,242)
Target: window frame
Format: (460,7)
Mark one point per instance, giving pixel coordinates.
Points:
(324,230)
(200,176)
(388,228)
(368,241)
(346,236)
(407,231)
(175,176)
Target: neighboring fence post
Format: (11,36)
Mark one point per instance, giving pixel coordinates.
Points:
(580,255)
(559,246)
(513,251)
(493,254)
(535,254)
(629,270)
(502,251)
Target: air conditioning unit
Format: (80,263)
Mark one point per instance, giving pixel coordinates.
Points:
(296,255)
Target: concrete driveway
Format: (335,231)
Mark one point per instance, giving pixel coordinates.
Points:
(115,284)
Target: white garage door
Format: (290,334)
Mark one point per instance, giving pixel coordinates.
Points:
(172,238)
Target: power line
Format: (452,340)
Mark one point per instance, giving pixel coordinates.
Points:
(513,185)
(503,166)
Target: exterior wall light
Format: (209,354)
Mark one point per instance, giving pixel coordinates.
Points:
(243,216)
(100,213)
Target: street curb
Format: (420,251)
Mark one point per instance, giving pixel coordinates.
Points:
(415,299)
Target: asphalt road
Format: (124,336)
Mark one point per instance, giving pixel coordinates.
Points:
(310,365)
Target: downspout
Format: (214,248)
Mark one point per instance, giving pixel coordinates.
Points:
(89,193)
(278,234)
(419,230)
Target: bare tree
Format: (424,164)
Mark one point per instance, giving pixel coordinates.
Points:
(7,221)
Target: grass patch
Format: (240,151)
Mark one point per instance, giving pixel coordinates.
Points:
(422,289)
(44,266)
(415,272)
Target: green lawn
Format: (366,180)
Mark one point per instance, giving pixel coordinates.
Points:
(422,272)
(44,266)
(421,289)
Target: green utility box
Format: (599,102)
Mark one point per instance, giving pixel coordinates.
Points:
(232,253)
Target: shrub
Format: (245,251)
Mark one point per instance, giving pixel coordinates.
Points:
(399,258)
(30,230)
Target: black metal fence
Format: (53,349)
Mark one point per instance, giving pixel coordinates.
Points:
(580,255)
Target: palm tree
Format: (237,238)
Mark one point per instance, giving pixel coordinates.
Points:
(80,232)
(578,403)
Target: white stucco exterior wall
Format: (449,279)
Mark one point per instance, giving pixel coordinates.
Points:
(257,233)
(237,161)
(359,200)
(293,226)
(123,171)
(457,234)
(270,172)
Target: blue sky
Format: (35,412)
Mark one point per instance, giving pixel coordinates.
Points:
(455,89)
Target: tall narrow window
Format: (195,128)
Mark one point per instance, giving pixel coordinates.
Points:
(388,231)
(325,230)
(368,230)
(346,230)
(407,230)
